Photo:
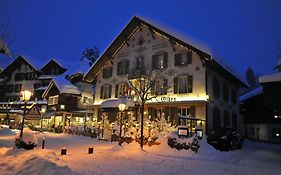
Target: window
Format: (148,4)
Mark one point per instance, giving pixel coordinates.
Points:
(85,99)
(17,88)
(122,89)
(19,76)
(29,76)
(159,61)
(216,88)
(183,84)
(123,67)
(234,120)
(140,64)
(225,92)
(216,118)
(160,87)
(233,96)
(105,92)
(184,111)
(183,59)
(107,72)
(276,132)
(53,100)
(10,88)
(226,119)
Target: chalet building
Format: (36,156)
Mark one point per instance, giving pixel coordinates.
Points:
(202,89)
(70,102)
(261,109)
(21,75)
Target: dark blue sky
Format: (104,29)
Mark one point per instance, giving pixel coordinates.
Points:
(242,33)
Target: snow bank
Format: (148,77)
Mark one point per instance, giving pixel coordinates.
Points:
(7,131)
(22,162)
(28,136)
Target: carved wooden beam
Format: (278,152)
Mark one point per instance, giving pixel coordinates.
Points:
(172,44)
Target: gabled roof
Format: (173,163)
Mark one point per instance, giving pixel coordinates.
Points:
(129,30)
(251,94)
(63,85)
(270,78)
(54,62)
(16,63)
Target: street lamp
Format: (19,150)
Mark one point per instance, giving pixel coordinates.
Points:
(121,107)
(25,97)
(43,111)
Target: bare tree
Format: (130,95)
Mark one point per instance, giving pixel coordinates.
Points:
(147,85)
(91,54)
(3,44)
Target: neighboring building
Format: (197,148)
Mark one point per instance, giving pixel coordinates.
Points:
(261,109)
(202,88)
(70,101)
(21,75)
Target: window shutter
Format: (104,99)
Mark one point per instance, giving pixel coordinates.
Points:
(177,59)
(153,88)
(165,86)
(118,68)
(190,83)
(104,73)
(110,72)
(101,92)
(189,57)
(154,62)
(165,59)
(110,88)
(127,66)
(116,91)
(175,85)
(192,111)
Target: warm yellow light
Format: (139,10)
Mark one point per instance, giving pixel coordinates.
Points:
(122,107)
(26,95)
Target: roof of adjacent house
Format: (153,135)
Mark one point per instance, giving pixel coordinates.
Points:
(270,78)
(253,93)
(129,30)
(63,85)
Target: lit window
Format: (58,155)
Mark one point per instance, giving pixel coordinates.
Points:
(183,59)
(105,92)
(53,100)
(183,84)
(159,61)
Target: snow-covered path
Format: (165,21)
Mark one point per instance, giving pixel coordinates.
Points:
(110,158)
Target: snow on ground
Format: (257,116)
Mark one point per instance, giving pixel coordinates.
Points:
(109,158)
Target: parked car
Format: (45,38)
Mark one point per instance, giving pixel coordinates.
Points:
(224,139)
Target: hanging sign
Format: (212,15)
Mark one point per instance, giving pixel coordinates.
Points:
(33,113)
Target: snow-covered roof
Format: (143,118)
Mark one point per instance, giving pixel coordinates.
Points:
(46,77)
(179,39)
(255,92)
(42,88)
(270,78)
(65,86)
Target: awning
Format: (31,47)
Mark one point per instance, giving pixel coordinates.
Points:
(190,118)
(114,103)
(48,114)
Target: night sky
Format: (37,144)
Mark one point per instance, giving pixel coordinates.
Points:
(241,33)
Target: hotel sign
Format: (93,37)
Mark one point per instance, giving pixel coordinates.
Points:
(168,99)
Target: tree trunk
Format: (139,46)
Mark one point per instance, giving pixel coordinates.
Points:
(142,117)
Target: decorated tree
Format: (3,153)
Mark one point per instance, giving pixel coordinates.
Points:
(143,84)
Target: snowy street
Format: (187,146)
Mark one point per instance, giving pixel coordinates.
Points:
(109,158)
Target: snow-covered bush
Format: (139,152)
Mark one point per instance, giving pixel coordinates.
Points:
(28,140)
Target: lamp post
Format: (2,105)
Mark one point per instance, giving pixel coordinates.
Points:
(121,107)
(25,97)
(43,111)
